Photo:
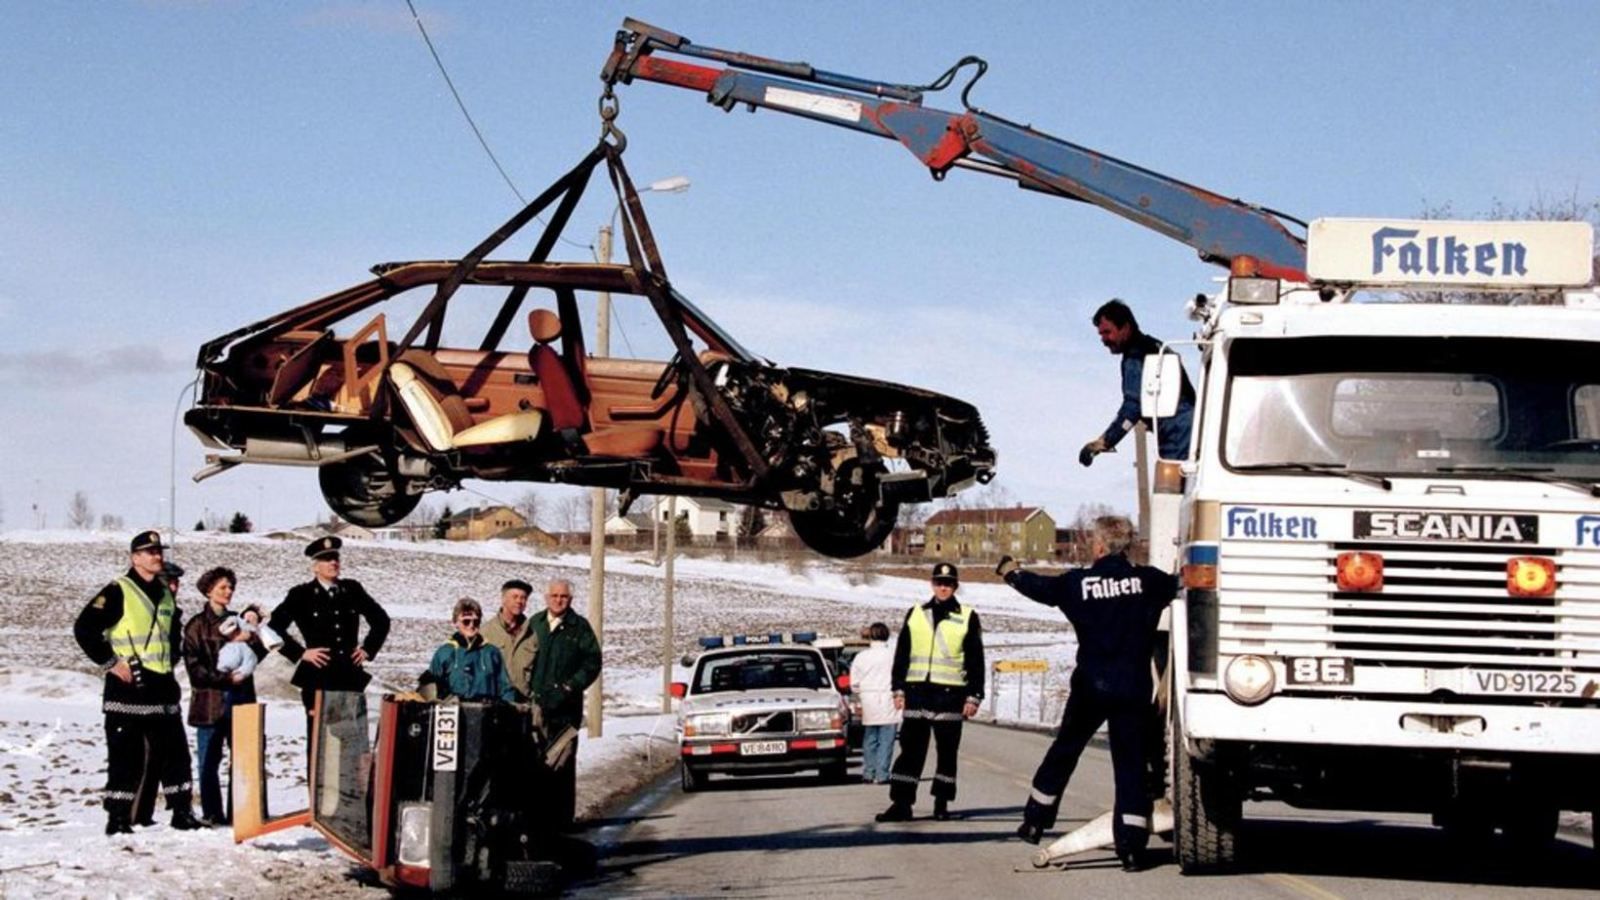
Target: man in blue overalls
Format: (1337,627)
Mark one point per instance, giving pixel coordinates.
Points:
(1120,333)
(1114,606)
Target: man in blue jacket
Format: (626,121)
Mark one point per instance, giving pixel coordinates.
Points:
(1120,333)
(1114,606)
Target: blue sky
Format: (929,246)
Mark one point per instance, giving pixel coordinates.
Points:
(172,170)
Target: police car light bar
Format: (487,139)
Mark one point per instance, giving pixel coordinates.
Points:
(712,642)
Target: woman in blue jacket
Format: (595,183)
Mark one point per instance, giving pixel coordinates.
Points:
(466,667)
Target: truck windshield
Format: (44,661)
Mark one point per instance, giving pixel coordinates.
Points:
(1466,407)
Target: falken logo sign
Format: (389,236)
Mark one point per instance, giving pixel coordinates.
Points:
(1440,253)
(1588,531)
(1424,525)
(1249,522)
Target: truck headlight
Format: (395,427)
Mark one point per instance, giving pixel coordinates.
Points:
(416,832)
(1249,679)
(705,724)
(816,720)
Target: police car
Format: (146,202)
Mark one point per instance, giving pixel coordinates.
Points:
(760,705)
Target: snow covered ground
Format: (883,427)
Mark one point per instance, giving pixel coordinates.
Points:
(52,751)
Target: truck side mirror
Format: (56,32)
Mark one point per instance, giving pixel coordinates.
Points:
(1160,385)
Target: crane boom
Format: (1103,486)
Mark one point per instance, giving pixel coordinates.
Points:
(1220,229)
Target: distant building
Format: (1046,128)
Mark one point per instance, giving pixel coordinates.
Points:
(408,533)
(482,523)
(529,535)
(778,535)
(710,521)
(1025,532)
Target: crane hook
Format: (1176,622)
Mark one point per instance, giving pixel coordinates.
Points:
(609,107)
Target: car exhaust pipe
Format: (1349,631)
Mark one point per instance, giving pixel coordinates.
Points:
(277,451)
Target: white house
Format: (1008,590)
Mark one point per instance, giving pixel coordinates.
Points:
(709,520)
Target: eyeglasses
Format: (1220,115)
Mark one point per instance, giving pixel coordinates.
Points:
(469,620)
(559,596)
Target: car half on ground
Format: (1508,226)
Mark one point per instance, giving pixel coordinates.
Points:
(760,705)
(466,393)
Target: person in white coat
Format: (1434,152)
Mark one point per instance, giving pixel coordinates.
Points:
(870,680)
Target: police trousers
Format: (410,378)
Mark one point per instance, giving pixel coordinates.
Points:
(938,717)
(130,769)
(1089,707)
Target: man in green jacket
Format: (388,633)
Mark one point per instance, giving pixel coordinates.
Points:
(567,662)
(512,634)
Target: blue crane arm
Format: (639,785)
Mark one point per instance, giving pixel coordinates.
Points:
(1220,229)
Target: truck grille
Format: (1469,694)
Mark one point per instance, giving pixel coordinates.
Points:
(750,723)
(1442,605)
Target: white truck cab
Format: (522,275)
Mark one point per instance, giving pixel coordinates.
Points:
(1389,535)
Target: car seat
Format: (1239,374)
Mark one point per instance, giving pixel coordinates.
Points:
(440,414)
(566,404)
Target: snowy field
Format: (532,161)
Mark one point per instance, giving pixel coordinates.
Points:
(52,752)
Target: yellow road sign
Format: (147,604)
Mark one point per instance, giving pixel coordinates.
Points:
(1022,665)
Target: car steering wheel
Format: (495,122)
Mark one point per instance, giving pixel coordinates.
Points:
(668,375)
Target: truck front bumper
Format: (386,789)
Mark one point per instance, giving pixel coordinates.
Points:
(1389,723)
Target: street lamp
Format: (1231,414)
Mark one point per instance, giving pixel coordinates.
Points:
(677,184)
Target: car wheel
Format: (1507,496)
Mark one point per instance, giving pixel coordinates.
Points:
(690,780)
(367,491)
(856,521)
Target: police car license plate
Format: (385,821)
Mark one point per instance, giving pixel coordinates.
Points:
(762,748)
(1511,681)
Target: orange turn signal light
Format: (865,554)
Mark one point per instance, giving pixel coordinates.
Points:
(1530,576)
(1199,576)
(1359,571)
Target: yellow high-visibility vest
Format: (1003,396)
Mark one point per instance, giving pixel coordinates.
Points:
(938,655)
(143,630)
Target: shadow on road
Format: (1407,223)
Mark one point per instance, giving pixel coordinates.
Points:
(1399,852)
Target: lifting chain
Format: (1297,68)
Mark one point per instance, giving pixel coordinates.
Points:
(609,106)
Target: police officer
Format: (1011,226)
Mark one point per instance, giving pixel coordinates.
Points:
(937,679)
(327,610)
(1113,606)
(1119,332)
(131,630)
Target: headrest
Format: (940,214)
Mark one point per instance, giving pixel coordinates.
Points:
(544,325)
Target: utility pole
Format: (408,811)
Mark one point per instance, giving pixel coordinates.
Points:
(666,616)
(597,513)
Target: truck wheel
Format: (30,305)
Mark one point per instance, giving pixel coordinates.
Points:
(1530,829)
(1206,810)
(690,780)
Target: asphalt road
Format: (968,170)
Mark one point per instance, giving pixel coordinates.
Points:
(795,837)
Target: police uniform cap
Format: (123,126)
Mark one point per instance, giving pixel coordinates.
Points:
(946,572)
(324,548)
(146,540)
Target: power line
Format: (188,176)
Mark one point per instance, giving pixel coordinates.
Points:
(461,104)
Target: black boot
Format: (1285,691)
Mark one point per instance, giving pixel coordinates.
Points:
(1132,860)
(118,823)
(184,820)
(1030,832)
(897,812)
(941,810)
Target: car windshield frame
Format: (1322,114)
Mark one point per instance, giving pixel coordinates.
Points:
(725,672)
(1468,407)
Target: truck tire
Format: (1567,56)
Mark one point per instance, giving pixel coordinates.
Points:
(689,779)
(1206,809)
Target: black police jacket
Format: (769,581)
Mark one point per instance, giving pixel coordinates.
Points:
(331,620)
(1114,607)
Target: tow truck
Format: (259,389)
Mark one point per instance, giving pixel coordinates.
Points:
(1387,518)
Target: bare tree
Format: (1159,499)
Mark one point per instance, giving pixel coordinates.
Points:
(572,513)
(109,522)
(79,514)
(528,506)
(1541,209)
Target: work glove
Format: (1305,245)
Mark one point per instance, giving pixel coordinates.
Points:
(1006,567)
(1091,450)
